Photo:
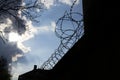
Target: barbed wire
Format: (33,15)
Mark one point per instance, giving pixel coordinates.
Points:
(69,28)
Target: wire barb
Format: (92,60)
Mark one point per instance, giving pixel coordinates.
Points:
(69,30)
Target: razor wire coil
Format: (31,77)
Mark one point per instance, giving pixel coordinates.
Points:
(68,35)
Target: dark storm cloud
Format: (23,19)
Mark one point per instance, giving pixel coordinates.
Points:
(9,50)
(9,9)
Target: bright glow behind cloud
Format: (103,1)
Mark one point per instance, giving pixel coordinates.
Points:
(29,33)
(9,33)
(13,37)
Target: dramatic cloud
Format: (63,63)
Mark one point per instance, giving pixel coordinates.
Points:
(13,48)
(16,27)
(14,43)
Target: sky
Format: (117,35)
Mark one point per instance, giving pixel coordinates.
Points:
(37,45)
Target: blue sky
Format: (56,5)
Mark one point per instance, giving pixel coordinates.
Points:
(44,42)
